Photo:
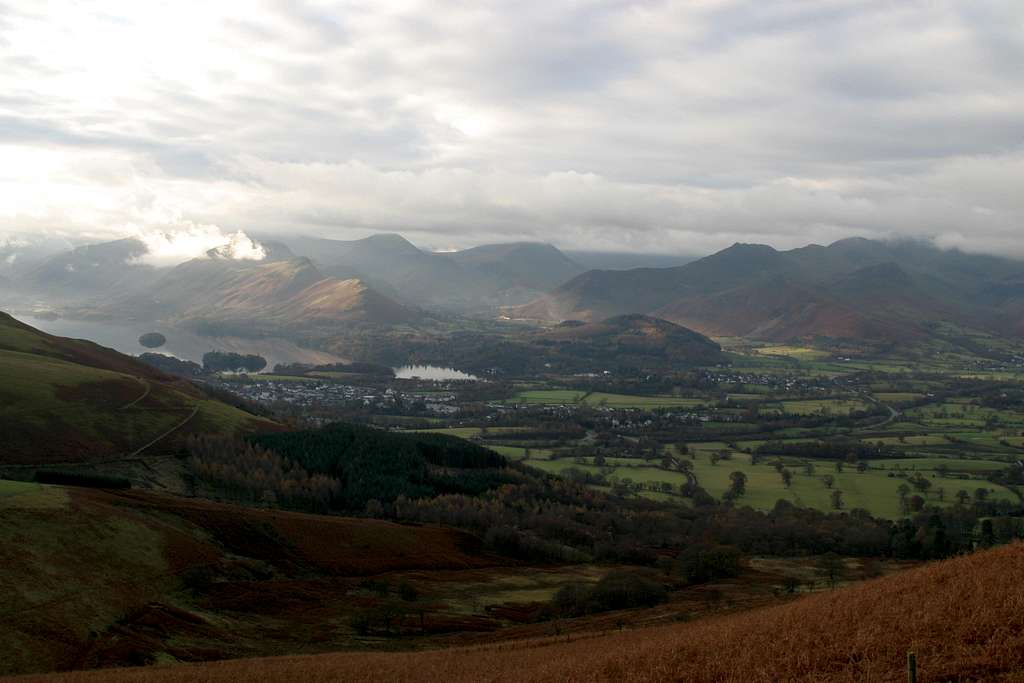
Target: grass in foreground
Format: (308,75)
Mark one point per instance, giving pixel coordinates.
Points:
(964,619)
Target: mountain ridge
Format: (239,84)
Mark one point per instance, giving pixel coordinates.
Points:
(851,288)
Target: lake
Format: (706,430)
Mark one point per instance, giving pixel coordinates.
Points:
(124,337)
(431,372)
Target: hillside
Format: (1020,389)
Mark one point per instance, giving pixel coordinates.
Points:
(270,296)
(851,289)
(637,340)
(621,343)
(72,401)
(91,270)
(963,618)
(98,578)
(528,265)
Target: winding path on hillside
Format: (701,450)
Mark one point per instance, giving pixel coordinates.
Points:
(145,393)
(170,431)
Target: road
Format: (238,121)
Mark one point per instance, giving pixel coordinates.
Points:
(893,413)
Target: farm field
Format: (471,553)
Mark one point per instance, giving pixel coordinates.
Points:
(833,406)
(521,452)
(468,432)
(642,402)
(798,352)
(548,397)
(930,464)
(744,397)
(873,490)
(897,396)
(913,440)
(270,377)
(609,400)
(461,432)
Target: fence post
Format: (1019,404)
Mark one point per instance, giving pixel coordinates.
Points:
(911,667)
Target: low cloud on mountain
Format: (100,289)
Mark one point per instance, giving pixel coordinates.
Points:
(181,243)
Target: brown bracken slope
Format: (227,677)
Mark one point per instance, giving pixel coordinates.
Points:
(964,618)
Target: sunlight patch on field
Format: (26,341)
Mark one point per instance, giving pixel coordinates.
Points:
(798,352)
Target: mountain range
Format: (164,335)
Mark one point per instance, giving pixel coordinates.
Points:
(468,281)
(260,297)
(386,269)
(854,288)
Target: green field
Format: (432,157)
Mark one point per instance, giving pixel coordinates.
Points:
(548,397)
(798,352)
(327,374)
(929,464)
(643,402)
(830,406)
(471,432)
(597,398)
(873,490)
(520,452)
(912,440)
(461,432)
(285,378)
(897,396)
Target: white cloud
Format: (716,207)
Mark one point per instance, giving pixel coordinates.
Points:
(179,243)
(653,125)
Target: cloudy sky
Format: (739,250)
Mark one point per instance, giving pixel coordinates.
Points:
(647,126)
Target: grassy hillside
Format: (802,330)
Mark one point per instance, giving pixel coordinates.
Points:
(65,400)
(93,578)
(964,619)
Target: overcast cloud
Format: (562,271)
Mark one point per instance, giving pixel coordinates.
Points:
(669,126)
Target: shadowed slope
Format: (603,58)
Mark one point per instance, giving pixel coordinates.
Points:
(186,578)
(964,618)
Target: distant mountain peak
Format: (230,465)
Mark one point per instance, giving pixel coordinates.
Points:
(390,240)
(852,241)
(750,247)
